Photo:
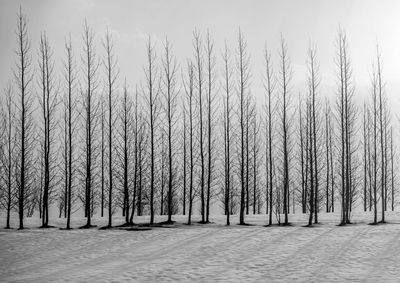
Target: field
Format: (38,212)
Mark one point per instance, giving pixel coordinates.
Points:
(213,252)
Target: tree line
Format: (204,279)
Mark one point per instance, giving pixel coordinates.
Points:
(190,136)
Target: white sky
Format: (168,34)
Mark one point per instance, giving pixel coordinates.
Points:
(300,22)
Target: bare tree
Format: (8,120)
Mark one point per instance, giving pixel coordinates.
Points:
(243,69)
(331,150)
(198,54)
(103,152)
(63,195)
(90,118)
(380,91)
(365,126)
(255,152)
(330,191)
(346,117)
(8,152)
(189,90)
(23,79)
(69,105)
(386,147)
(228,73)
(184,163)
(269,85)
(370,175)
(136,150)
(141,144)
(392,156)
(210,98)
(374,142)
(285,80)
(48,104)
(303,153)
(313,84)
(152,97)
(162,169)
(127,135)
(311,159)
(170,101)
(248,113)
(110,63)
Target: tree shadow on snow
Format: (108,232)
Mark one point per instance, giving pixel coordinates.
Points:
(87,226)
(47,227)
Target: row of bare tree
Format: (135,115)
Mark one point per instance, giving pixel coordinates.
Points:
(190,140)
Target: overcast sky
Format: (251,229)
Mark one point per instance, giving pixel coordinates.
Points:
(300,22)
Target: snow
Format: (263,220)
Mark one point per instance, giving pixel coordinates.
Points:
(212,252)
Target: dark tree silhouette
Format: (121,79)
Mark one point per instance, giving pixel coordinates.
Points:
(313,84)
(243,70)
(189,91)
(103,152)
(311,159)
(303,154)
(7,152)
(210,98)
(365,126)
(382,125)
(184,161)
(151,92)
(392,157)
(285,80)
(228,73)
(91,109)
(48,103)
(269,86)
(346,118)
(198,61)
(70,112)
(374,143)
(127,152)
(110,63)
(23,80)
(170,102)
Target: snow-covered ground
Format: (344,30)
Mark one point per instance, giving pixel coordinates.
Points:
(205,253)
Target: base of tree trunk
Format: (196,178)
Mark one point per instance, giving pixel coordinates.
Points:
(66,229)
